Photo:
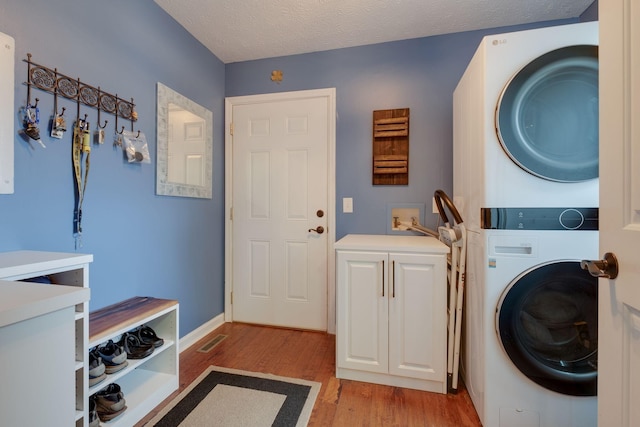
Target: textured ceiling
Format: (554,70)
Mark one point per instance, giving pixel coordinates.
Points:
(240,30)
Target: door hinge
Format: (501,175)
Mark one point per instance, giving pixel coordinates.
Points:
(231,297)
(231,128)
(231,214)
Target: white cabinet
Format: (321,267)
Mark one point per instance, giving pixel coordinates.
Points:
(7,112)
(391,311)
(63,269)
(144,382)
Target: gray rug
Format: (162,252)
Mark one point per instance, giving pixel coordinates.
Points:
(230,398)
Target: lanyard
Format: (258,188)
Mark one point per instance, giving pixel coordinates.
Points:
(81,145)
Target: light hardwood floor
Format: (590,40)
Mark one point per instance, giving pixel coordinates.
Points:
(311,356)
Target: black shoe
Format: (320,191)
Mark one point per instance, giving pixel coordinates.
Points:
(114,357)
(110,402)
(148,336)
(96,368)
(94,420)
(135,348)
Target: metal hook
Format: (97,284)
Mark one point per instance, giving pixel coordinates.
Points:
(62,114)
(105,124)
(138,135)
(121,131)
(36,104)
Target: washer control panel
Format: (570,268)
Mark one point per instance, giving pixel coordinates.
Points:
(539,218)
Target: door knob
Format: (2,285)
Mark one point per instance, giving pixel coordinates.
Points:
(607,267)
(319,229)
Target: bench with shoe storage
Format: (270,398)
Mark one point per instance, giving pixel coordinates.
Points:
(146,330)
(141,384)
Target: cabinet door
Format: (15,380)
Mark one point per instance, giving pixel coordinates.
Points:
(417,315)
(362,320)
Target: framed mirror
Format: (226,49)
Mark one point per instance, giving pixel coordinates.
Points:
(185,146)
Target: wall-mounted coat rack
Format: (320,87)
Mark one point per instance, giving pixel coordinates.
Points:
(391,147)
(50,80)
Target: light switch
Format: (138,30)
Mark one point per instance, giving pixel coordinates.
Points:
(347,205)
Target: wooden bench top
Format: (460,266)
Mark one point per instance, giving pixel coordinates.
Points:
(130,312)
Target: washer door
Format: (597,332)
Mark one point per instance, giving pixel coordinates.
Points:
(547,322)
(547,115)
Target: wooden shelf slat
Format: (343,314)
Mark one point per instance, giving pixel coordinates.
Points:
(107,320)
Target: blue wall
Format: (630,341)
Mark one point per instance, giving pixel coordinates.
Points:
(168,247)
(420,74)
(142,244)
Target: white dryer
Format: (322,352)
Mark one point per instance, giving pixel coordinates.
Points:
(531,324)
(526,122)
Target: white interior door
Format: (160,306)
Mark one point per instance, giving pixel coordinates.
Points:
(619,299)
(281,207)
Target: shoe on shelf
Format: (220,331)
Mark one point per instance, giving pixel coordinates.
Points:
(114,356)
(135,348)
(110,402)
(94,420)
(96,368)
(148,336)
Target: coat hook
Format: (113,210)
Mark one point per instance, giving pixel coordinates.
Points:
(105,124)
(138,135)
(121,131)
(63,108)
(36,104)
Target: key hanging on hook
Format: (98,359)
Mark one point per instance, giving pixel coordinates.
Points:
(58,122)
(32,118)
(100,133)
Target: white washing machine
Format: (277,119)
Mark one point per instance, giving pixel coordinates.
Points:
(526,122)
(530,337)
(526,183)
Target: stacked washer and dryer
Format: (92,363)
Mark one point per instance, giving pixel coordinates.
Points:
(526,183)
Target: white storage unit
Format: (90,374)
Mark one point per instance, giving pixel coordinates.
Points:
(391,311)
(63,269)
(144,382)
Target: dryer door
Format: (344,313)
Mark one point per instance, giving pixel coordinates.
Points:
(547,115)
(547,322)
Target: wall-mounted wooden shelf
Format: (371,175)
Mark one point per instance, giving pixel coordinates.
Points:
(391,147)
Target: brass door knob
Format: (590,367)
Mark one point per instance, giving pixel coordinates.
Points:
(319,229)
(607,267)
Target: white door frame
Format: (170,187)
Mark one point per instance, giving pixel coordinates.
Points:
(229,103)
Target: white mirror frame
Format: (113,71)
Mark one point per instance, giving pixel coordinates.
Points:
(165,96)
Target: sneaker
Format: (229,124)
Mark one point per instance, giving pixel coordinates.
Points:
(96,368)
(114,357)
(110,402)
(148,336)
(94,420)
(135,348)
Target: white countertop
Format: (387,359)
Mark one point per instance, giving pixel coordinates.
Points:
(388,242)
(20,264)
(25,300)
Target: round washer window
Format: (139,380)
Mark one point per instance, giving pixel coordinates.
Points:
(547,322)
(547,115)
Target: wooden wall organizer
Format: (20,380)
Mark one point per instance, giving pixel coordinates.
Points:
(391,147)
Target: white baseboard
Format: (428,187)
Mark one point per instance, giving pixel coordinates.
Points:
(197,334)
